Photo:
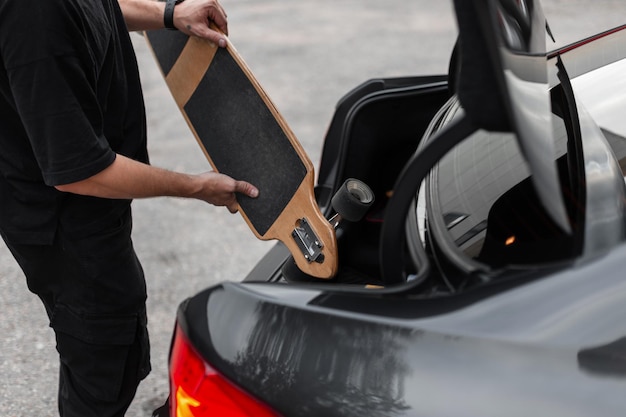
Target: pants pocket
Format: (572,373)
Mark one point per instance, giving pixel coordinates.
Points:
(94,350)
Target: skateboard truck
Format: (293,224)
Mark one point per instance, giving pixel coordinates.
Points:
(351,202)
(308,242)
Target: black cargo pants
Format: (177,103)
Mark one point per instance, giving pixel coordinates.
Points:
(92,286)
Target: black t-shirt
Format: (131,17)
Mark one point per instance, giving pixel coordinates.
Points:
(70,99)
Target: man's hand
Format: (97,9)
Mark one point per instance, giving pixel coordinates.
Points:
(220,190)
(202,18)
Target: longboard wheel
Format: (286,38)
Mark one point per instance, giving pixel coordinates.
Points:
(352,200)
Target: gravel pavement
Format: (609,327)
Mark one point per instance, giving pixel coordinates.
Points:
(306,54)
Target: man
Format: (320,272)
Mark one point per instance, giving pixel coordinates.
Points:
(72,156)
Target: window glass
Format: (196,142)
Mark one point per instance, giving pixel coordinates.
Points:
(484,205)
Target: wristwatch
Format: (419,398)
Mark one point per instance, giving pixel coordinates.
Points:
(168,15)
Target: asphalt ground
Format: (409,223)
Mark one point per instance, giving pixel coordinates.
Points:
(307,55)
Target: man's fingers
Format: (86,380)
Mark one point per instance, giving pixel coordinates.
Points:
(247,189)
(205,19)
(220,20)
(233,208)
(217,38)
(204,31)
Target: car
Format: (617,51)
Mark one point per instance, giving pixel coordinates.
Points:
(488,277)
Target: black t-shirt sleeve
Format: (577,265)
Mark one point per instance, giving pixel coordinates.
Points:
(54,81)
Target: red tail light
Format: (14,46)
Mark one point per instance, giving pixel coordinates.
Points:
(197,390)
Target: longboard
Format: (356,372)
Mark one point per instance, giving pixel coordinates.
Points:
(243,135)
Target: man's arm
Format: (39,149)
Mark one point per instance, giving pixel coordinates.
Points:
(191,17)
(127,178)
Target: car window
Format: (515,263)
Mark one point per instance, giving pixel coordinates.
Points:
(483,209)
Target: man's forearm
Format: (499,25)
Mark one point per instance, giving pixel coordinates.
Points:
(143,14)
(126,178)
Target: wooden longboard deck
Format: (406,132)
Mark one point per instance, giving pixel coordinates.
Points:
(243,135)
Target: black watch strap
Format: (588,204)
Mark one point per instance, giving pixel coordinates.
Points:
(168,14)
